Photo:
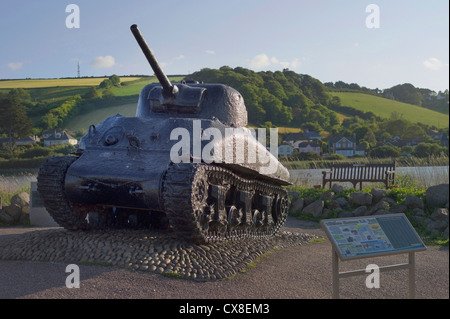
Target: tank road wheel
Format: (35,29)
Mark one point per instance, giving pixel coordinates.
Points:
(206,203)
(50,185)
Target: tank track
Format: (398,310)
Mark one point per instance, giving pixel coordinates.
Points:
(206,203)
(51,190)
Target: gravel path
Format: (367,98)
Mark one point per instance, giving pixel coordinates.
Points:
(295,270)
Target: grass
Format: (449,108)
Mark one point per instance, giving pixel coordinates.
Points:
(82,121)
(51,83)
(383,108)
(135,87)
(257,260)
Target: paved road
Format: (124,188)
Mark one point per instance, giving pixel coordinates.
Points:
(301,272)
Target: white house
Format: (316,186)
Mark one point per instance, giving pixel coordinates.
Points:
(345,146)
(59,137)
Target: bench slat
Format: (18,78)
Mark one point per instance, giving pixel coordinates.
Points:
(359,173)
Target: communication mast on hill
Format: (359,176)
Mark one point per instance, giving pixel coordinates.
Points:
(79,69)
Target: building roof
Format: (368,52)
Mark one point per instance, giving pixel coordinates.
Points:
(310,143)
(338,139)
(296,137)
(63,136)
(312,134)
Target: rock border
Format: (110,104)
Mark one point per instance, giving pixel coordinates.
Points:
(431,211)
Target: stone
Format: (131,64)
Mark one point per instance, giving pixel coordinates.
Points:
(308,200)
(446,233)
(436,226)
(382,205)
(325,213)
(314,209)
(360,211)
(391,201)
(345,214)
(5,218)
(1,203)
(417,220)
(336,188)
(21,199)
(343,203)
(361,199)
(440,214)
(398,209)
(333,204)
(419,212)
(437,196)
(377,194)
(412,202)
(13,211)
(297,205)
(381,212)
(327,196)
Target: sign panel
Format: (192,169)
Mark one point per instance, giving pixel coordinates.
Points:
(359,237)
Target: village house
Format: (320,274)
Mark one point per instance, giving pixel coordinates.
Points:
(311,135)
(58,137)
(346,147)
(310,146)
(400,142)
(294,139)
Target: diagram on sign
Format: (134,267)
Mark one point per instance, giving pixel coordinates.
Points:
(372,235)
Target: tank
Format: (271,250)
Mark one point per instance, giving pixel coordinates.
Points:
(185,163)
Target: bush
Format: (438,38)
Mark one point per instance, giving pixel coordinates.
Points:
(334,157)
(35,152)
(308,156)
(385,151)
(35,162)
(428,149)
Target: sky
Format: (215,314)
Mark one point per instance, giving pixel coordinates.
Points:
(374,43)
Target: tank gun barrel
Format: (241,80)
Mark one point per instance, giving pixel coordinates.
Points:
(168,88)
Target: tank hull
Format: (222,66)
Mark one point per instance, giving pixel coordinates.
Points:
(125,159)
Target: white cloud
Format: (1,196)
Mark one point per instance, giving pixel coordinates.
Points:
(15,65)
(180,57)
(103,62)
(210,52)
(433,64)
(262,61)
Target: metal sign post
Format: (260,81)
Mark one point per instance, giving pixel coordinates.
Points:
(362,237)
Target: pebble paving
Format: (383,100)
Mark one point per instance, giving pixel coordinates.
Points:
(145,250)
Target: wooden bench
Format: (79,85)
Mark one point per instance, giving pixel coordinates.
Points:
(359,173)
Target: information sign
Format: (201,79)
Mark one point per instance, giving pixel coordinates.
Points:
(359,237)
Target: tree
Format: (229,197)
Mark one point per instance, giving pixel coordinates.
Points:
(385,151)
(92,93)
(19,94)
(115,80)
(428,149)
(14,121)
(105,84)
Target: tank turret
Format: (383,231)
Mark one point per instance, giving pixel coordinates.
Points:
(186,162)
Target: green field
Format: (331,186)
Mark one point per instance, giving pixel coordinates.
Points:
(384,108)
(52,83)
(82,122)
